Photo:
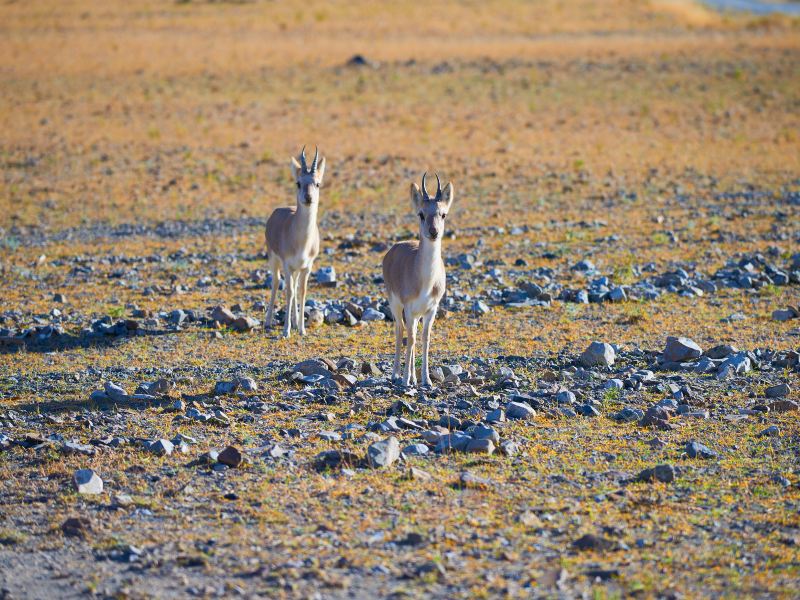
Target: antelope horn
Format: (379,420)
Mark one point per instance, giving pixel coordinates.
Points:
(303,159)
(316,156)
(424,190)
(438,188)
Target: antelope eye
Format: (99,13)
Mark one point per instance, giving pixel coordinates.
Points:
(317,184)
(444,216)
(421,217)
(298,185)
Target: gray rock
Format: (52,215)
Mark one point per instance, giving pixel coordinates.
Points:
(415,474)
(452,442)
(370,314)
(782,406)
(312,366)
(277,451)
(617,294)
(472,481)
(679,349)
(484,446)
(565,397)
(121,501)
(771,431)
(584,266)
(519,410)
(734,317)
(231,457)
(668,403)
(662,473)
(333,316)
(416,450)
(326,276)
(349,319)
(721,351)
(598,354)
(244,323)
(479,307)
(99,396)
(496,416)
(452,370)
(484,432)
(87,482)
(509,448)
(698,450)
(725,372)
(702,413)
(223,315)
(335,459)
(160,386)
(628,415)
(778,391)
(383,453)
(330,436)
(705,365)
(738,364)
(315,317)
(450,422)
(430,436)
(176,317)
(614,384)
(587,410)
(222,388)
(76,448)
(247,384)
(783,315)
(161,447)
(115,392)
(781,480)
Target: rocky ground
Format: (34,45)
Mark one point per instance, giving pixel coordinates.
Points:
(616,361)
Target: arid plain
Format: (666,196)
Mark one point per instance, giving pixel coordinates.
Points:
(625,172)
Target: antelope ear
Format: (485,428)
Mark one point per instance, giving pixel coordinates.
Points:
(448,193)
(321,170)
(295,169)
(416,197)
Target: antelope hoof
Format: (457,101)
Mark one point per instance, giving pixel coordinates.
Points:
(427,383)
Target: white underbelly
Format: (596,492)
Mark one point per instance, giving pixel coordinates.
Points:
(421,306)
(296,263)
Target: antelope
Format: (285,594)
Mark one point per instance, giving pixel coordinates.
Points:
(293,241)
(413,272)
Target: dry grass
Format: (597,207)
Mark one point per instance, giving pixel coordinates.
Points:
(580,120)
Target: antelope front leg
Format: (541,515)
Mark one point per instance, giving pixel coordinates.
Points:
(410,376)
(427,325)
(397,313)
(290,299)
(276,277)
(303,284)
(414,353)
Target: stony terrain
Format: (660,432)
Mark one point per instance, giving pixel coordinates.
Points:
(617,359)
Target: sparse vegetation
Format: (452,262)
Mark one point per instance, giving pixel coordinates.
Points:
(144,145)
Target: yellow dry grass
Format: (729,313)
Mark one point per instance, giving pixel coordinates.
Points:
(544,114)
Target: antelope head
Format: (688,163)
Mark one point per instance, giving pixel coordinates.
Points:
(308,178)
(431,210)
